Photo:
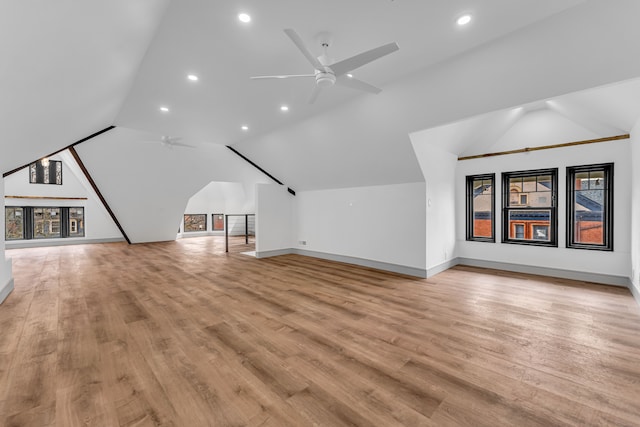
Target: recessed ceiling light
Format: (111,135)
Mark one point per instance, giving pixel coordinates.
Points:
(284,108)
(245,127)
(350,75)
(463,20)
(244,17)
(192,77)
(164,109)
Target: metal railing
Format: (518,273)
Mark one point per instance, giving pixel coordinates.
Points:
(239,225)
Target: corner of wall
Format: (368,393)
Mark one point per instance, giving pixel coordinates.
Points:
(6,279)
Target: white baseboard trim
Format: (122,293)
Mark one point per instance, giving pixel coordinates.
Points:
(277,252)
(6,290)
(379,265)
(606,279)
(38,243)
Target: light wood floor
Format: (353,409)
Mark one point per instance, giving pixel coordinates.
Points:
(180,334)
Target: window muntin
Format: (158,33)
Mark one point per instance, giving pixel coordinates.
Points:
(218,222)
(480,207)
(195,222)
(589,207)
(14,223)
(529,207)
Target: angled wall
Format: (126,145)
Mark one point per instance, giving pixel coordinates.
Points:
(148,184)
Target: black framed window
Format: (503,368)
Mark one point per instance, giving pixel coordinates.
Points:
(38,222)
(45,171)
(529,207)
(195,222)
(218,222)
(13,223)
(75,222)
(480,207)
(590,207)
(46,223)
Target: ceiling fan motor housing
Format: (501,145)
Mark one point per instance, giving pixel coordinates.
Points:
(325,78)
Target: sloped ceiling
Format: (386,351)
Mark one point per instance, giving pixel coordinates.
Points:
(601,112)
(72,68)
(66,69)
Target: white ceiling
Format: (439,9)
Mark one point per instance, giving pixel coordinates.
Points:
(73,67)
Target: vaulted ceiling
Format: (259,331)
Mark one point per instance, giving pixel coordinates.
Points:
(74,67)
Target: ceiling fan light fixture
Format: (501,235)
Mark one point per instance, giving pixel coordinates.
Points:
(463,19)
(244,17)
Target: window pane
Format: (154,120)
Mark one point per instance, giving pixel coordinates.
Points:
(218,221)
(14,223)
(76,222)
(589,204)
(482,216)
(480,200)
(196,222)
(46,223)
(529,225)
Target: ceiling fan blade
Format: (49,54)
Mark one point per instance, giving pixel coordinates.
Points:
(295,38)
(284,76)
(357,84)
(357,61)
(314,94)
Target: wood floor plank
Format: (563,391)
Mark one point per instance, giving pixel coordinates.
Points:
(182,333)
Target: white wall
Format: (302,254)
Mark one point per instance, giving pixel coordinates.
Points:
(384,223)
(635,210)
(616,263)
(6,278)
(221,198)
(98,224)
(438,167)
(274,219)
(148,185)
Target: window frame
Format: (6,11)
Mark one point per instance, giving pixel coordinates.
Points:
(184,229)
(213,222)
(607,211)
(38,165)
(28,222)
(469,200)
(553,208)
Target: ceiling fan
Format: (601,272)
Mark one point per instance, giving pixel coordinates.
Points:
(170,142)
(327,74)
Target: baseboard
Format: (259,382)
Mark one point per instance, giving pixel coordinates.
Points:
(38,243)
(379,265)
(606,279)
(6,290)
(277,252)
